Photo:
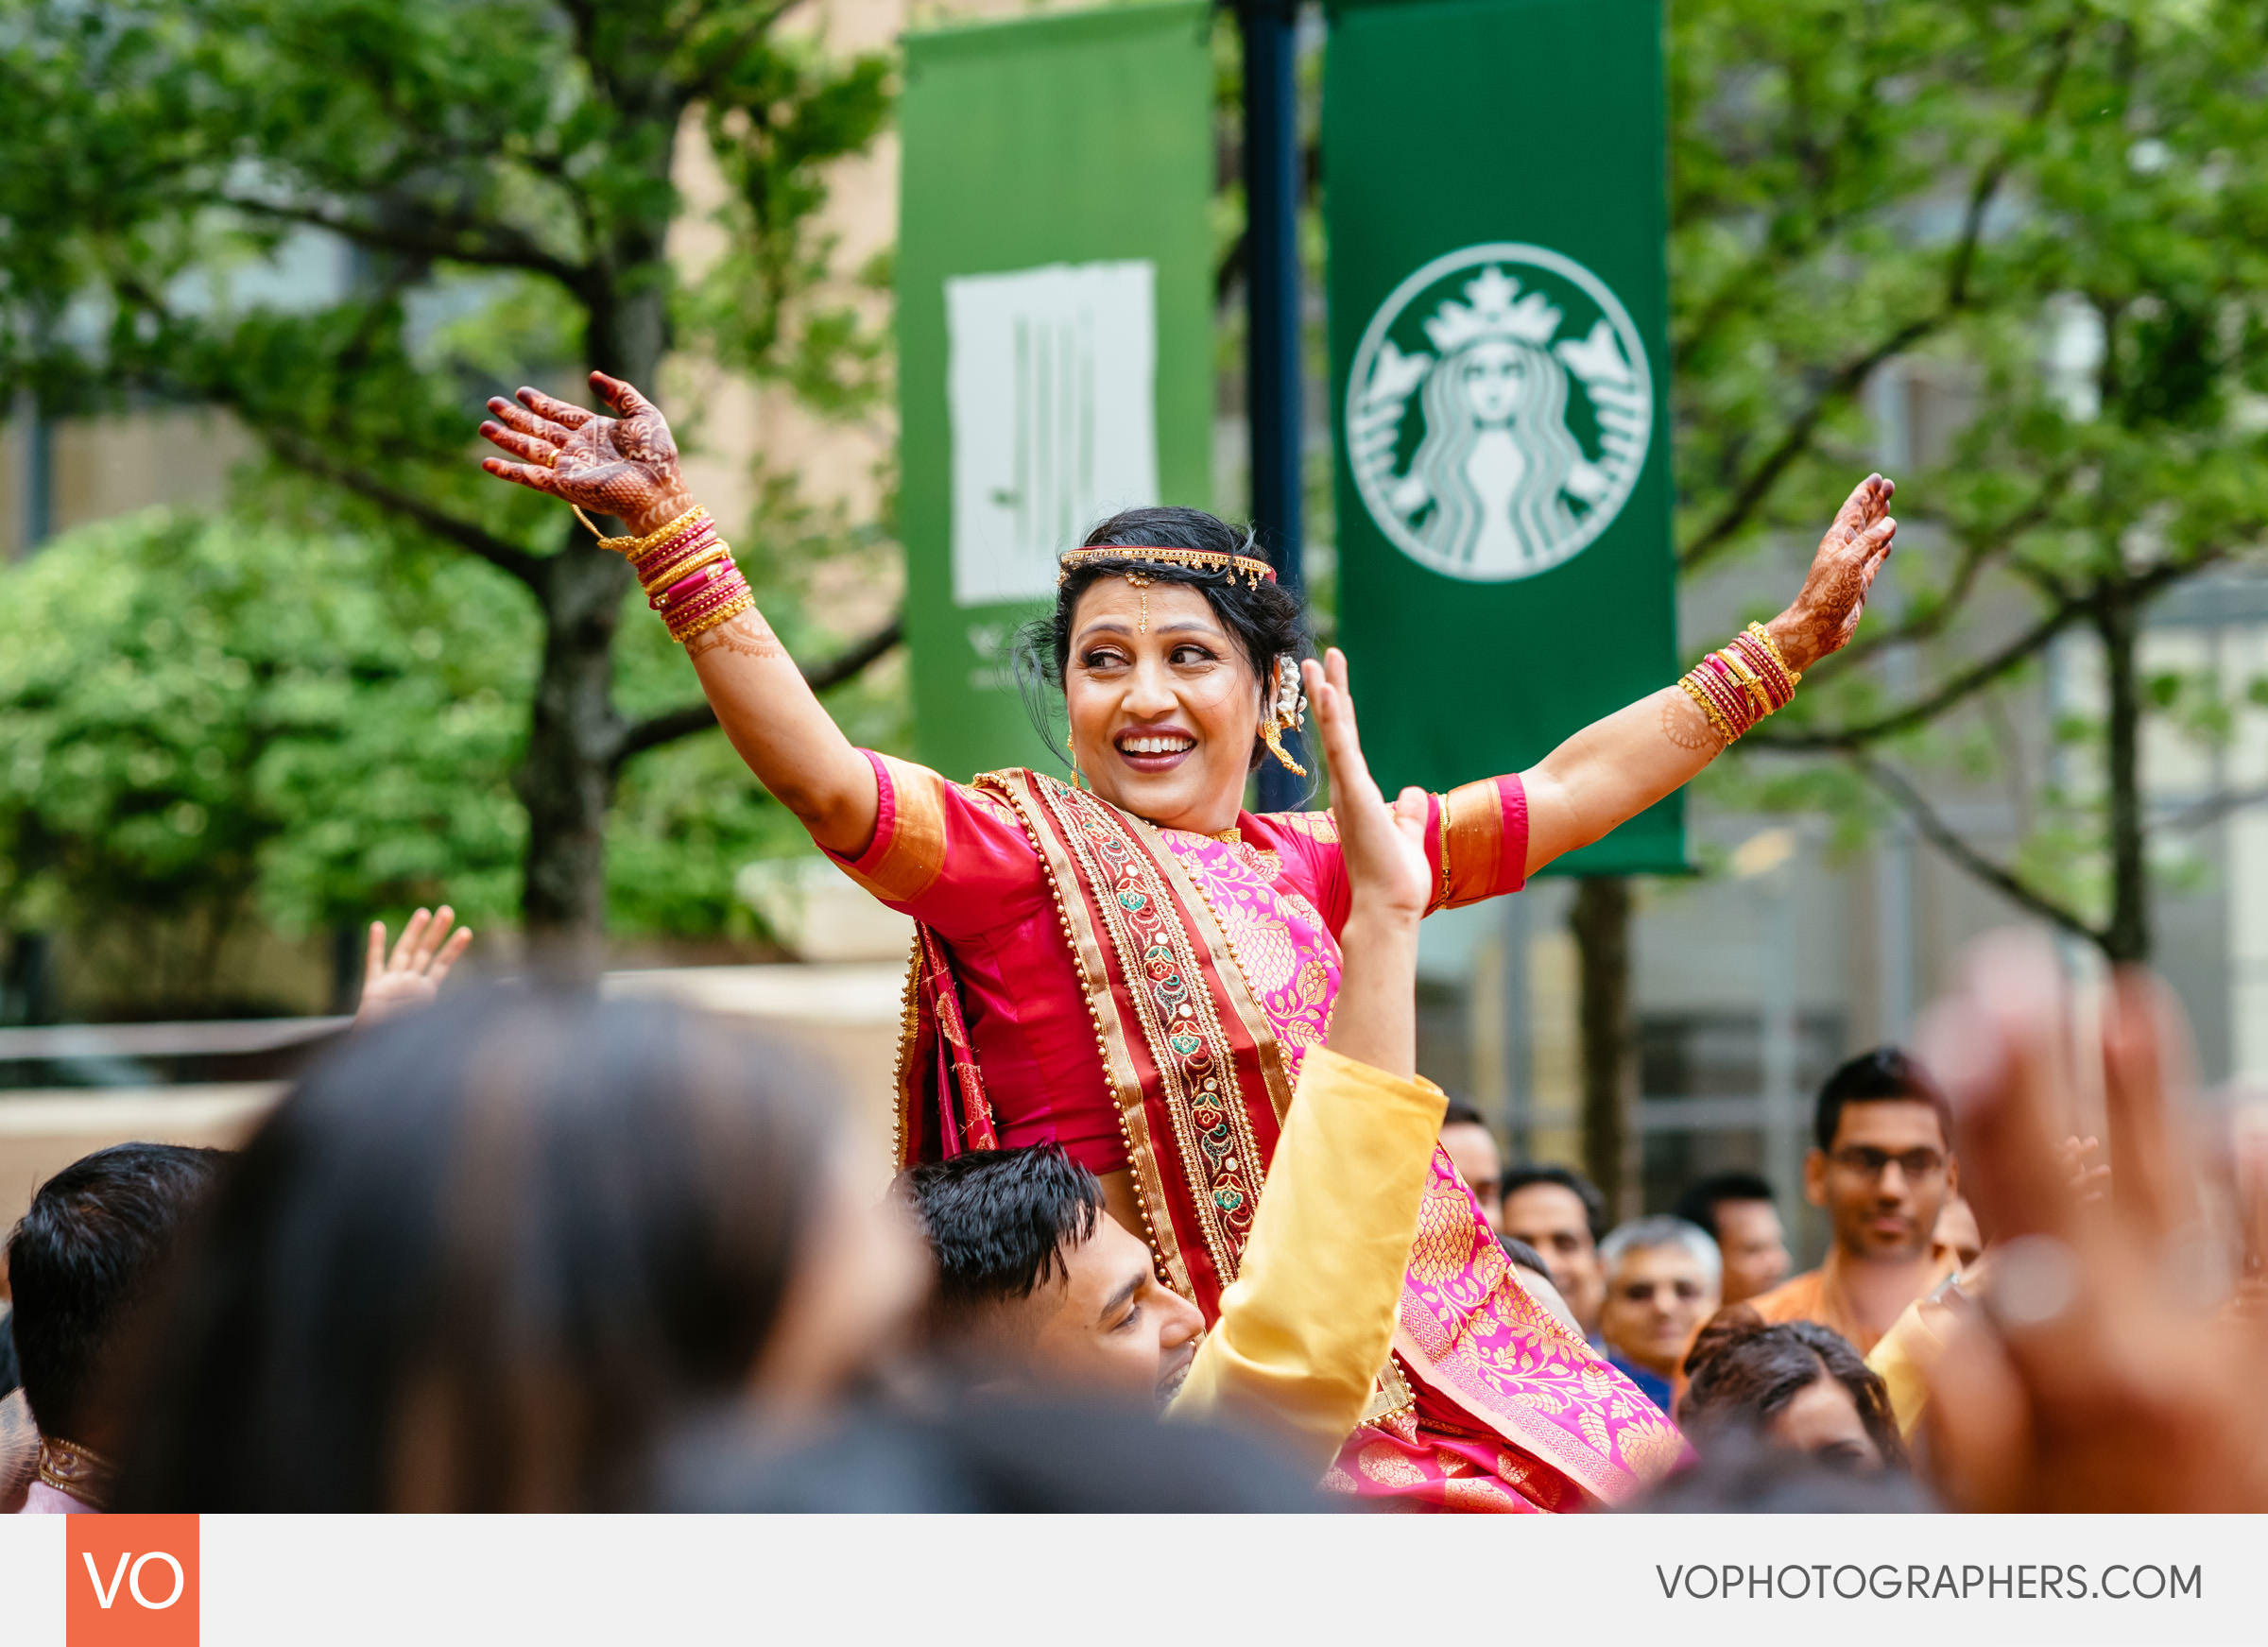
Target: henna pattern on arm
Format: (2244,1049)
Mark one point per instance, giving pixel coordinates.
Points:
(747,635)
(1684,724)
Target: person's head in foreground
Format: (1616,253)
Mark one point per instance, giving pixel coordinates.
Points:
(1038,1285)
(1472,1149)
(1881,1162)
(1737,1211)
(1561,1215)
(1798,1386)
(1661,1284)
(486,1256)
(84,1263)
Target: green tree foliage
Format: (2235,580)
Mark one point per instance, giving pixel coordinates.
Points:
(204,724)
(210,724)
(500,174)
(1978,190)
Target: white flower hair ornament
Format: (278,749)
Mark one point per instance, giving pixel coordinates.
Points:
(1291,712)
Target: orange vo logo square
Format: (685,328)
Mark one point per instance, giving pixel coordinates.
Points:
(131,1581)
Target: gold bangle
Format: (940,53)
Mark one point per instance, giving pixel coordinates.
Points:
(669,577)
(634,547)
(1714,715)
(725,613)
(1750,682)
(1777,656)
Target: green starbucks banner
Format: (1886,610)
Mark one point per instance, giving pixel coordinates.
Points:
(1498,298)
(1055,328)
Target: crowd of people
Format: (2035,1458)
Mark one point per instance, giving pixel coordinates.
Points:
(1177,1222)
(525,1250)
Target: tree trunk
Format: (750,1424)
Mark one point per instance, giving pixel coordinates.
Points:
(2127,939)
(1601,923)
(566,781)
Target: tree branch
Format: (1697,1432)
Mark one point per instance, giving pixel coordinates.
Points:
(2213,808)
(1970,682)
(688,718)
(1960,268)
(498,552)
(426,233)
(1946,839)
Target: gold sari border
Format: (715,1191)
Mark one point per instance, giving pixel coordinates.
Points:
(1233,984)
(908,851)
(1019,788)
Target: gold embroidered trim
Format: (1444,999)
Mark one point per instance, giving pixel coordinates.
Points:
(69,1468)
(1187,1041)
(909,1033)
(1022,789)
(1243,999)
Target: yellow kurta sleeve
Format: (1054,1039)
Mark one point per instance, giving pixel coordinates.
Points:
(1904,1356)
(1310,1319)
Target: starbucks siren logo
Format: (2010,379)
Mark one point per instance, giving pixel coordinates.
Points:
(1499,411)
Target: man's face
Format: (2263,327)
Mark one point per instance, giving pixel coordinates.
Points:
(1472,1151)
(1957,1229)
(1549,1217)
(1885,1180)
(1655,1301)
(1755,1248)
(1109,1326)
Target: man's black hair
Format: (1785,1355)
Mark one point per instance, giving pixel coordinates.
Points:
(89,1251)
(1595,1203)
(1701,1198)
(1460,1113)
(1883,1075)
(999,1221)
(1520,1253)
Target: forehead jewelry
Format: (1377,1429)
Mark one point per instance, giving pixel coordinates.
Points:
(1250,568)
(1140,582)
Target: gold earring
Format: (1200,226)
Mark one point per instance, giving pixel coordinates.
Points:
(1076,782)
(1273,737)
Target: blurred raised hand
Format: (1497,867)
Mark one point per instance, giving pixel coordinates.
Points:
(1384,846)
(2112,1367)
(1827,609)
(625,466)
(412,975)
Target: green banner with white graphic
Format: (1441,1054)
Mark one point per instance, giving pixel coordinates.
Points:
(1496,209)
(1055,328)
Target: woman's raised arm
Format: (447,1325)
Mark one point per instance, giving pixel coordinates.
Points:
(626,467)
(1615,768)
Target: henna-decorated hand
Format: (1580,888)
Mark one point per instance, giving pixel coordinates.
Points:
(625,467)
(1384,846)
(1826,612)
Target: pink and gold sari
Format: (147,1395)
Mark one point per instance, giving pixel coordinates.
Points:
(1203,969)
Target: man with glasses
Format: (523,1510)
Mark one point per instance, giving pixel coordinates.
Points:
(1882,1167)
(1662,1278)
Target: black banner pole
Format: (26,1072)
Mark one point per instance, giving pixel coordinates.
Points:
(1272,312)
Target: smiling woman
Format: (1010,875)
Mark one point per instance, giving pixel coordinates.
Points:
(1133,967)
(1160,663)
